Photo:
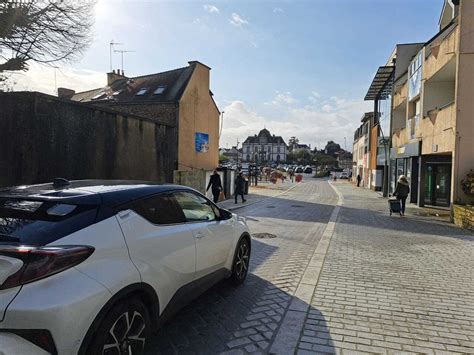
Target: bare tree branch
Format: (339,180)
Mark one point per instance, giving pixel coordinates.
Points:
(44,31)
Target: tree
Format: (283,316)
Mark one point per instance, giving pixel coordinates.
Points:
(292,143)
(42,31)
(332,148)
(223,159)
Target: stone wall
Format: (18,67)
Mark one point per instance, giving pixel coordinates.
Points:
(43,137)
(463,216)
(162,113)
(192,178)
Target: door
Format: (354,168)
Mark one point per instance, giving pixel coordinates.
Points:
(214,237)
(161,243)
(443,185)
(438,184)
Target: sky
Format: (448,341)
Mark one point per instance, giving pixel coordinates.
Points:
(298,68)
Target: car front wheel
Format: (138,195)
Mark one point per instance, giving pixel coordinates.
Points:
(241,262)
(124,330)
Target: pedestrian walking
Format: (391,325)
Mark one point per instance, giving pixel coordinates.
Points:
(239,187)
(401,192)
(358,180)
(215,185)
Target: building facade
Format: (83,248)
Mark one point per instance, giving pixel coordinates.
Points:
(263,148)
(179,97)
(383,93)
(429,87)
(361,150)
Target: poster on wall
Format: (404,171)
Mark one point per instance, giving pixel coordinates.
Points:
(202,142)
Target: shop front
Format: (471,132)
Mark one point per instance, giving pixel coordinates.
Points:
(405,161)
(436,180)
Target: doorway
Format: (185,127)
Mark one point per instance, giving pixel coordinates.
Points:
(437,184)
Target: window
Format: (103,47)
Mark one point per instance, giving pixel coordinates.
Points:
(141,92)
(159,209)
(269,149)
(99,96)
(159,90)
(38,223)
(195,207)
(278,149)
(248,149)
(414,70)
(116,93)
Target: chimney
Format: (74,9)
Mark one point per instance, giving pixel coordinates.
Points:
(65,93)
(111,77)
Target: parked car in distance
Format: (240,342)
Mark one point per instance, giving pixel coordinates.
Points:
(299,170)
(308,170)
(344,175)
(91,267)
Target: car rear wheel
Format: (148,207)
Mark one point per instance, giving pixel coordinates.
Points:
(124,330)
(241,262)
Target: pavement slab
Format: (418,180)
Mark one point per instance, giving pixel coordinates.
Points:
(341,276)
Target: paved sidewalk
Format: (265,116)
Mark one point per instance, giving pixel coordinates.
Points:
(257,194)
(392,284)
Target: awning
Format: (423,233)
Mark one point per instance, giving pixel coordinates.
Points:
(378,87)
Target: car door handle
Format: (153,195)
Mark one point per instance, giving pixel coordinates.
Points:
(199,235)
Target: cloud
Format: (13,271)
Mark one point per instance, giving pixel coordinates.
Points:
(282,98)
(212,9)
(237,20)
(41,78)
(277,10)
(314,125)
(314,97)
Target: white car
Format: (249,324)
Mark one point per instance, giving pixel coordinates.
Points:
(92,267)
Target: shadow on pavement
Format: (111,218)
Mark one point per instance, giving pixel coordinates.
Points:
(289,209)
(227,317)
(374,216)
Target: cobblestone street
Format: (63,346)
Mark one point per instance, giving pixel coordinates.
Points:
(340,275)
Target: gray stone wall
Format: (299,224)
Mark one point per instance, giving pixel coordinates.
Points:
(162,113)
(43,137)
(192,178)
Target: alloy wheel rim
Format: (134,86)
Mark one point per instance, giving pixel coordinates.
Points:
(126,335)
(242,261)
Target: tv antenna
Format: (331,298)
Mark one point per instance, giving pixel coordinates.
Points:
(111,48)
(122,51)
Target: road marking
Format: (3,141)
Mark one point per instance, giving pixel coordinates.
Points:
(286,340)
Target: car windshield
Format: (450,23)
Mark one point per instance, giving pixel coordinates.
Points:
(29,222)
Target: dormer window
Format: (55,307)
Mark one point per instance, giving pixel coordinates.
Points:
(141,92)
(159,90)
(116,93)
(99,96)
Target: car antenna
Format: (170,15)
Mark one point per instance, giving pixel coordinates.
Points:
(60,182)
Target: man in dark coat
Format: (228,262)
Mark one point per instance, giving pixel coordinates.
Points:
(401,192)
(215,183)
(358,180)
(239,187)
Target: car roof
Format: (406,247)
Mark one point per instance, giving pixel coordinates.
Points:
(89,192)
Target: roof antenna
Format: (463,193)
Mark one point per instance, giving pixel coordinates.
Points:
(122,51)
(111,47)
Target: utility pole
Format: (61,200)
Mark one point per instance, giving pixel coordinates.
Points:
(222,124)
